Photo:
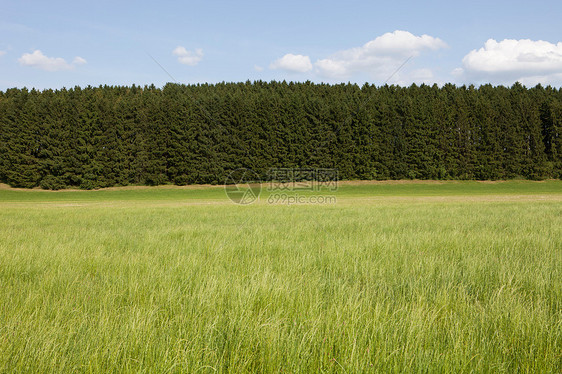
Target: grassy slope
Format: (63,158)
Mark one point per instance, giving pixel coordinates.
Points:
(127,283)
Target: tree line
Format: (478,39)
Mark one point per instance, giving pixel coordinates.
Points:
(189,134)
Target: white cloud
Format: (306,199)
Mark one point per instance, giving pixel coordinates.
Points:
(258,68)
(378,57)
(186,57)
(457,72)
(292,63)
(38,60)
(509,60)
(2,53)
(78,61)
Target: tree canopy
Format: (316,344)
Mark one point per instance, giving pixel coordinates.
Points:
(188,134)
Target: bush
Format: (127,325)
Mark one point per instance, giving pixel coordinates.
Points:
(181,180)
(52,183)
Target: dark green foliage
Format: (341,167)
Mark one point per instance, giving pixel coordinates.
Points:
(114,136)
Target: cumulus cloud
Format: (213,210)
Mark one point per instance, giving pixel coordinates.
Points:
(509,60)
(190,58)
(292,63)
(378,57)
(38,60)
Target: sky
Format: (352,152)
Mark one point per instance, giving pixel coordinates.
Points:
(55,44)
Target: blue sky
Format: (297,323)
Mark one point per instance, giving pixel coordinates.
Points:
(51,44)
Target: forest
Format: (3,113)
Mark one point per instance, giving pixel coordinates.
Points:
(96,137)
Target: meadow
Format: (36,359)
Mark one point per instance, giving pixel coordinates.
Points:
(393,277)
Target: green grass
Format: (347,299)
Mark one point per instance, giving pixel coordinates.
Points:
(453,277)
(345,190)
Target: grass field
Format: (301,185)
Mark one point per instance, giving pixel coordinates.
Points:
(394,277)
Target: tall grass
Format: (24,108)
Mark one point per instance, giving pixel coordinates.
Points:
(387,286)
